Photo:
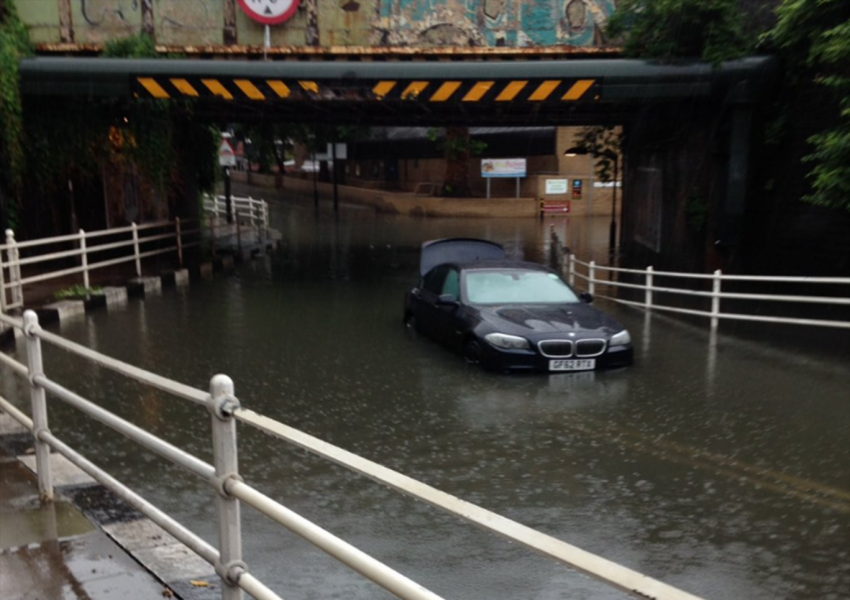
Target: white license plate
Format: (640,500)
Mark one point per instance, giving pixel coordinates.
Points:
(584,364)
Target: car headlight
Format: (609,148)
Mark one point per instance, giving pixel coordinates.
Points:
(621,338)
(509,342)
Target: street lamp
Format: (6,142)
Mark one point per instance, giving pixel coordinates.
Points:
(612,156)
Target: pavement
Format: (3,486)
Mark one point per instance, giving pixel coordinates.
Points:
(88,544)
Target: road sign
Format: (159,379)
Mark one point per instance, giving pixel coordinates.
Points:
(226,156)
(269,12)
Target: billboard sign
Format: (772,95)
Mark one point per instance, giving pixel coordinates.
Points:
(502,167)
(556,186)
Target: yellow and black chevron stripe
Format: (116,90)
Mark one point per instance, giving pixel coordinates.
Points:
(390,90)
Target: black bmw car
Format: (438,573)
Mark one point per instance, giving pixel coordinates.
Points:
(509,315)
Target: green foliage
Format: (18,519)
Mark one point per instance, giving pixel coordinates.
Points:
(77,292)
(710,30)
(456,147)
(604,144)
(134,46)
(814,38)
(696,212)
(14,45)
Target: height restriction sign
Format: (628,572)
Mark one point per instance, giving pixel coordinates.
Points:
(269,12)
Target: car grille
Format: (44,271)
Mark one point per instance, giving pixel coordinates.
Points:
(585,348)
(556,348)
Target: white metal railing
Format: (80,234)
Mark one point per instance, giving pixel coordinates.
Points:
(248,210)
(223,476)
(124,245)
(716,295)
(90,250)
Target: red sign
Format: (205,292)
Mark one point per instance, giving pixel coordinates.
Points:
(270,12)
(555,206)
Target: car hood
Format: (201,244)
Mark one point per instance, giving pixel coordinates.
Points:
(529,320)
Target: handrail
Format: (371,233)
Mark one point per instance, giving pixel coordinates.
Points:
(715,295)
(223,476)
(140,235)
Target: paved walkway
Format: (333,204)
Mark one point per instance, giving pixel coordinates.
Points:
(54,552)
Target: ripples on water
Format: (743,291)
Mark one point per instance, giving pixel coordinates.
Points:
(697,471)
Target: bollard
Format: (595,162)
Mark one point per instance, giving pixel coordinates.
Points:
(39,407)
(715,300)
(230,566)
(648,297)
(84,257)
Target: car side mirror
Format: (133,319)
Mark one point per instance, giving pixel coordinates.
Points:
(447,300)
(586,297)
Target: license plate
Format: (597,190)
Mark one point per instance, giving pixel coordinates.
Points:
(584,364)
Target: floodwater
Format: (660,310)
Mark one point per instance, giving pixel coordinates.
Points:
(718,464)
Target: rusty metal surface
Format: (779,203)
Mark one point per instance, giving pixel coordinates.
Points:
(354,52)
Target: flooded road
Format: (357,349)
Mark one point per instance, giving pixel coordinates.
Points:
(720,466)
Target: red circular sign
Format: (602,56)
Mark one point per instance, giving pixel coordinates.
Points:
(270,12)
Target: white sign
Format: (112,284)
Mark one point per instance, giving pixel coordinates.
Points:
(341,151)
(269,12)
(556,186)
(226,156)
(502,167)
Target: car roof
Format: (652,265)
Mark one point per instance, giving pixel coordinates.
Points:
(479,265)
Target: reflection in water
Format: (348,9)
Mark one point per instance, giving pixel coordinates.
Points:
(723,472)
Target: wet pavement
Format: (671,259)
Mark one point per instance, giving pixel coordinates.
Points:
(54,552)
(719,464)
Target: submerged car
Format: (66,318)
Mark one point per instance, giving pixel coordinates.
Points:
(509,315)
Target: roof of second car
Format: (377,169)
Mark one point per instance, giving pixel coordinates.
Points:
(477,265)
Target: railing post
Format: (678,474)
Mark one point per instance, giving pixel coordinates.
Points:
(179,234)
(39,407)
(212,236)
(715,300)
(591,287)
(265,220)
(85,259)
(251,208)
(2,285)
(136,249)
(221,404)
(649,284)
(572,269)
(13,255)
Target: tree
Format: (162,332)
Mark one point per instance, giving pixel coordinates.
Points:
(458,147)
(710,30)
(814,38)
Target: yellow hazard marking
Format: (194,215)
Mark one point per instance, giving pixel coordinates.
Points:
(478,91)
(578,89)
(184,86)
(414,89)
(249,89)
(309,86)
(153,88)
(280,88)
(544,90)
(383,88)
(216,88)
(445,92)
(511,90)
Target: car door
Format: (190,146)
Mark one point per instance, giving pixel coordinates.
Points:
(449,316)
(425,302)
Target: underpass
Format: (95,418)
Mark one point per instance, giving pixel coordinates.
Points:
(719,468)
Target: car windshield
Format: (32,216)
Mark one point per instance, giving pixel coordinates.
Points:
(517,286)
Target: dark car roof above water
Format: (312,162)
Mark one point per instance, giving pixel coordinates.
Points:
(501,264)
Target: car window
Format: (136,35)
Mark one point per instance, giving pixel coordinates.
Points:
(517,286)
(452,283)
(433,281)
